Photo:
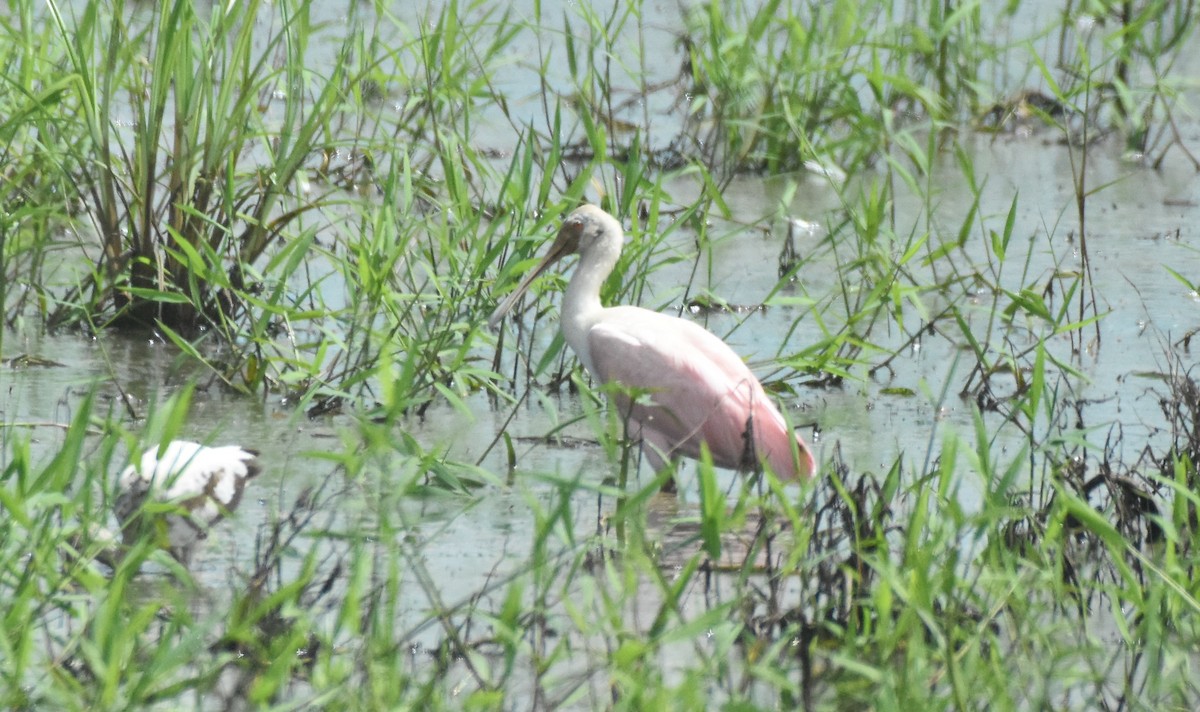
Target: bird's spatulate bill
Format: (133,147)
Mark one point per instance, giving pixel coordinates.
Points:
(561,248)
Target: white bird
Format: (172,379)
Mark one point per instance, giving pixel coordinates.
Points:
(181,490)
(694,388)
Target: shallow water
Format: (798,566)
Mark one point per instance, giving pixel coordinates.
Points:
(1138,225)
(1139,222)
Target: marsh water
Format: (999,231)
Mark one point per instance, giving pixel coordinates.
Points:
(1139,221)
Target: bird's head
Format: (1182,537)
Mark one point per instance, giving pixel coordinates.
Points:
(587,231)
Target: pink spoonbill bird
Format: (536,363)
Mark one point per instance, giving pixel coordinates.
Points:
(200,485)
(695,388)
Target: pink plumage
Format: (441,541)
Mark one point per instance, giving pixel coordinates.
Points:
(690,387)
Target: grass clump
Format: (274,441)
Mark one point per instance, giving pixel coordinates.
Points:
(173,201)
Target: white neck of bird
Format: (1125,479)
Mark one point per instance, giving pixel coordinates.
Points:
(581,307)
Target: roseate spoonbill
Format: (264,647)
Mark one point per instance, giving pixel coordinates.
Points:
(203,484)
(695,388)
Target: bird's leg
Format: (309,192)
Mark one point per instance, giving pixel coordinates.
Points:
(750,461)
(654,445)
(669,485)
(657,453)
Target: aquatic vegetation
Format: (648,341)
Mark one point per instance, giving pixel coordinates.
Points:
(932,226)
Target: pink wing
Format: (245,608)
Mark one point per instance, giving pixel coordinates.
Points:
(698,389)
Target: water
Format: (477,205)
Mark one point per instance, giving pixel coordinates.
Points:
(1139,221)
(1139,224)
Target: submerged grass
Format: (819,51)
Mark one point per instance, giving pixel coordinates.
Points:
(324,221)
